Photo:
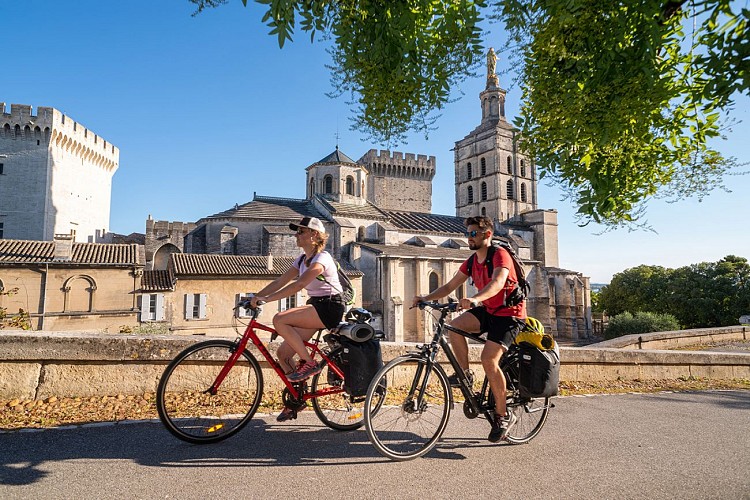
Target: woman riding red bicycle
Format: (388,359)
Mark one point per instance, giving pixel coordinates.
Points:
(324,309)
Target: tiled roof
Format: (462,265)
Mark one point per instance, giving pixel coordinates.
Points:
(235,265)
(154,281)
(31,252)
(267,207)
(368,211)
(336,157)
(227,265)
(424,222)
(415,251)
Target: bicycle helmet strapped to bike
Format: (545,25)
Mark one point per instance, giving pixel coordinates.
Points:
(534,325)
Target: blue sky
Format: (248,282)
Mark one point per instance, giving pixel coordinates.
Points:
(207,110)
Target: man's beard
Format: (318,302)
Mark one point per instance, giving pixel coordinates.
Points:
(474,246)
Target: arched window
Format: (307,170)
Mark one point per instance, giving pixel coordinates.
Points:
(484,191)
(468,170)
(523,192)
(470,194)
(510,166)
(350,185)
(328,184)
(433,281)
(79,294)
(361,233)
(312,187)
(484,212)
(510,190)
(523,169)
(483,167)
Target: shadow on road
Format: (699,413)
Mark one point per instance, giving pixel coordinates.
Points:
(260,444)
(727,399)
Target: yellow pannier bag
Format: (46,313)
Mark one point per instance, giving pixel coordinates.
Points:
(541,341)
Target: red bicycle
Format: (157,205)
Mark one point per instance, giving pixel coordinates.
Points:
(212,389)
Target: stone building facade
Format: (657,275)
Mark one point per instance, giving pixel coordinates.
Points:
(43,159)
(377,211)
(66,286)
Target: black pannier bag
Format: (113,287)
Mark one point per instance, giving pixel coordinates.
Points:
(538,371)
(360,361)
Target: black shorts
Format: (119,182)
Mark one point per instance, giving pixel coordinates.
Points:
(500,329)
(330,309)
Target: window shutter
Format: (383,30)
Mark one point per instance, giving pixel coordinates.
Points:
(188,306)
(141,315)
(159,313)
(202,306)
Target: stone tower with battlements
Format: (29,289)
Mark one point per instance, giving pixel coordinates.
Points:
(55,176)
(492,177)
(398,181)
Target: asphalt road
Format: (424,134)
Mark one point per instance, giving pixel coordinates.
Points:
(667,445)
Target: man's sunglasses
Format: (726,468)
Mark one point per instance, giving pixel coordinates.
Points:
(472,234)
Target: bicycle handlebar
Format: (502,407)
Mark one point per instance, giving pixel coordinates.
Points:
(245,304)
(447,306)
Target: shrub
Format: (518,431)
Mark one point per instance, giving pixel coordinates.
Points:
(642,322)
(21,321)
(146,328)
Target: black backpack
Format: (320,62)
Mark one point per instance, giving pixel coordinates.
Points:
(348,293)
(522,289)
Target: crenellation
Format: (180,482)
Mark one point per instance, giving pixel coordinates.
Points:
(61,131)
(42,144)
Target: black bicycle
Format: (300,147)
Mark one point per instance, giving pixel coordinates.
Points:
(418,397)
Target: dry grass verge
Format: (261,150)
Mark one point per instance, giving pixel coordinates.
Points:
(54,412)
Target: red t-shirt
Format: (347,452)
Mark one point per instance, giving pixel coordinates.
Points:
(494,305)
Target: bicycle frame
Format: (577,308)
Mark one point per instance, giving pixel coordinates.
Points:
(294,389)
(440,340)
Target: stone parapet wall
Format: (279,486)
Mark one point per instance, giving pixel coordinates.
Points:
(678,338)
(39,365)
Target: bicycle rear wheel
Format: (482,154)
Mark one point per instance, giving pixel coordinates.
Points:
(189,411)
(415,411)
(531,414)
(338,410)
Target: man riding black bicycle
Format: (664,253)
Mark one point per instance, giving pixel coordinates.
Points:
(485,312)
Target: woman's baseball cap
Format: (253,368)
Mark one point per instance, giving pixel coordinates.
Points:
(310,223)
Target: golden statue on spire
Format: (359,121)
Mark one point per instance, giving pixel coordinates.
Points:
(491,63)
(492,80)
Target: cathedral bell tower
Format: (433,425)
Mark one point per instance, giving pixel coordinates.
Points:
(337,178)
(492,177)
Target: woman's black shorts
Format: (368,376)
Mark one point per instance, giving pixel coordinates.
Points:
(330,309)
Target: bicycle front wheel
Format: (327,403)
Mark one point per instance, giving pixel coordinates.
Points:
(415,409)
(338,410)
(531,414)
(190,411)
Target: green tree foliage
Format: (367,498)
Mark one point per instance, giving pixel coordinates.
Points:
(637,289)
(640,322)
(620,99)
(19,321)
(700,295)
